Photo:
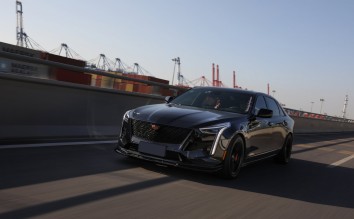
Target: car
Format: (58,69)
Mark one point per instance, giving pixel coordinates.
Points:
(209,129)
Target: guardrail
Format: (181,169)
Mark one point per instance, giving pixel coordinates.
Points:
(304,114)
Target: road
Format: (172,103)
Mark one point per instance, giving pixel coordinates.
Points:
(92,181)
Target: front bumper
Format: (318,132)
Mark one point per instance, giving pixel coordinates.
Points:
(205,164)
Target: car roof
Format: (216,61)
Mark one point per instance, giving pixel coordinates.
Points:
(231,89)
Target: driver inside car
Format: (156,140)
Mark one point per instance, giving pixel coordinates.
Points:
(211,101)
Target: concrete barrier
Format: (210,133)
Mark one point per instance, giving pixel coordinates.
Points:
(34,109)
(309,125)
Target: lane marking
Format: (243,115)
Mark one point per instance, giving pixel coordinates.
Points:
(57,144)
(346,145)
(335,164)
(303,145)
(346,152)
(327,149)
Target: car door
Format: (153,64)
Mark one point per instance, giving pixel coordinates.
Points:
(260,133)
(276,123)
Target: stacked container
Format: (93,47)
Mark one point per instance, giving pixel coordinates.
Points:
(61,74)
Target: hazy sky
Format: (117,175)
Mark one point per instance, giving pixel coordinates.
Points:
(303,48)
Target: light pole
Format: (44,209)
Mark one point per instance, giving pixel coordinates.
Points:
(312,105)
(322,100)
(273,91)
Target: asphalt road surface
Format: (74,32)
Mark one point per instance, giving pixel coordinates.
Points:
(92,181)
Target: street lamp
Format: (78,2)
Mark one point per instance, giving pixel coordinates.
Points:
(312,105)
(322,100)
(273,91)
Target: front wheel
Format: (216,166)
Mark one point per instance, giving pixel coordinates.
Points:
(284,155)
(234,159)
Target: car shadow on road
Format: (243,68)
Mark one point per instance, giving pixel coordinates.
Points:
(28,166)
(299,180)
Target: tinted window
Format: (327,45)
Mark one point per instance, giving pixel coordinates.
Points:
(272,105)
(282,113)
(218,99)
(260,104)
(187,99)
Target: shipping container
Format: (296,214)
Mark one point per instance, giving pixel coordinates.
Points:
(105,81)
(143,88)
(62,59)
(96,80)
(116,85)
(70,76)
(155,90)
(166,92)
(110,82)
(158,80)
(135,76)
(147,78)
(129,87)
(61,74)
(122,86)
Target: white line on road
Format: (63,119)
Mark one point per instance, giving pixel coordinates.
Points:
(335,164)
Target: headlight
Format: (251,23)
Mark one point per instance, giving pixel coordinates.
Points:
(214,129)
(217,130)
(206,138)
(126,116)
(125,130)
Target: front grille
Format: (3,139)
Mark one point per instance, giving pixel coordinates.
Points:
(132,147)
(165,134)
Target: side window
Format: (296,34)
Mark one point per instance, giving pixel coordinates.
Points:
(272,105)
(282,113)
(260,104)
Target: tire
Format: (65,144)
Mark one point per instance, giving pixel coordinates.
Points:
(234,158)
(285,153)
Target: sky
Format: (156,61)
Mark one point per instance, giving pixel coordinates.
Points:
(303,48)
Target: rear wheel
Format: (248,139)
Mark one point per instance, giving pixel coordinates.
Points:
(284,155)
(234,159)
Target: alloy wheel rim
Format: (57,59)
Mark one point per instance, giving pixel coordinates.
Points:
(235,162)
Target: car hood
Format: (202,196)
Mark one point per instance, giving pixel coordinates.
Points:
(181,116)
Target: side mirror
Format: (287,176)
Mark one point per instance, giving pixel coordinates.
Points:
(168,99)
(265,113)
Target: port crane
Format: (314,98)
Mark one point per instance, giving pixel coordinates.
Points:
(23,39)
(67,52)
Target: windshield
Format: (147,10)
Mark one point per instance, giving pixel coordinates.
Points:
(224,100)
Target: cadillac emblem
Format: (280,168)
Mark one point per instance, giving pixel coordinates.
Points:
(155,127)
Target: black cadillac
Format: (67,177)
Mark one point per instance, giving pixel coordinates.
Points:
(209,129)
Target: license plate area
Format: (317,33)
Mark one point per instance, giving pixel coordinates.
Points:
(152,149)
